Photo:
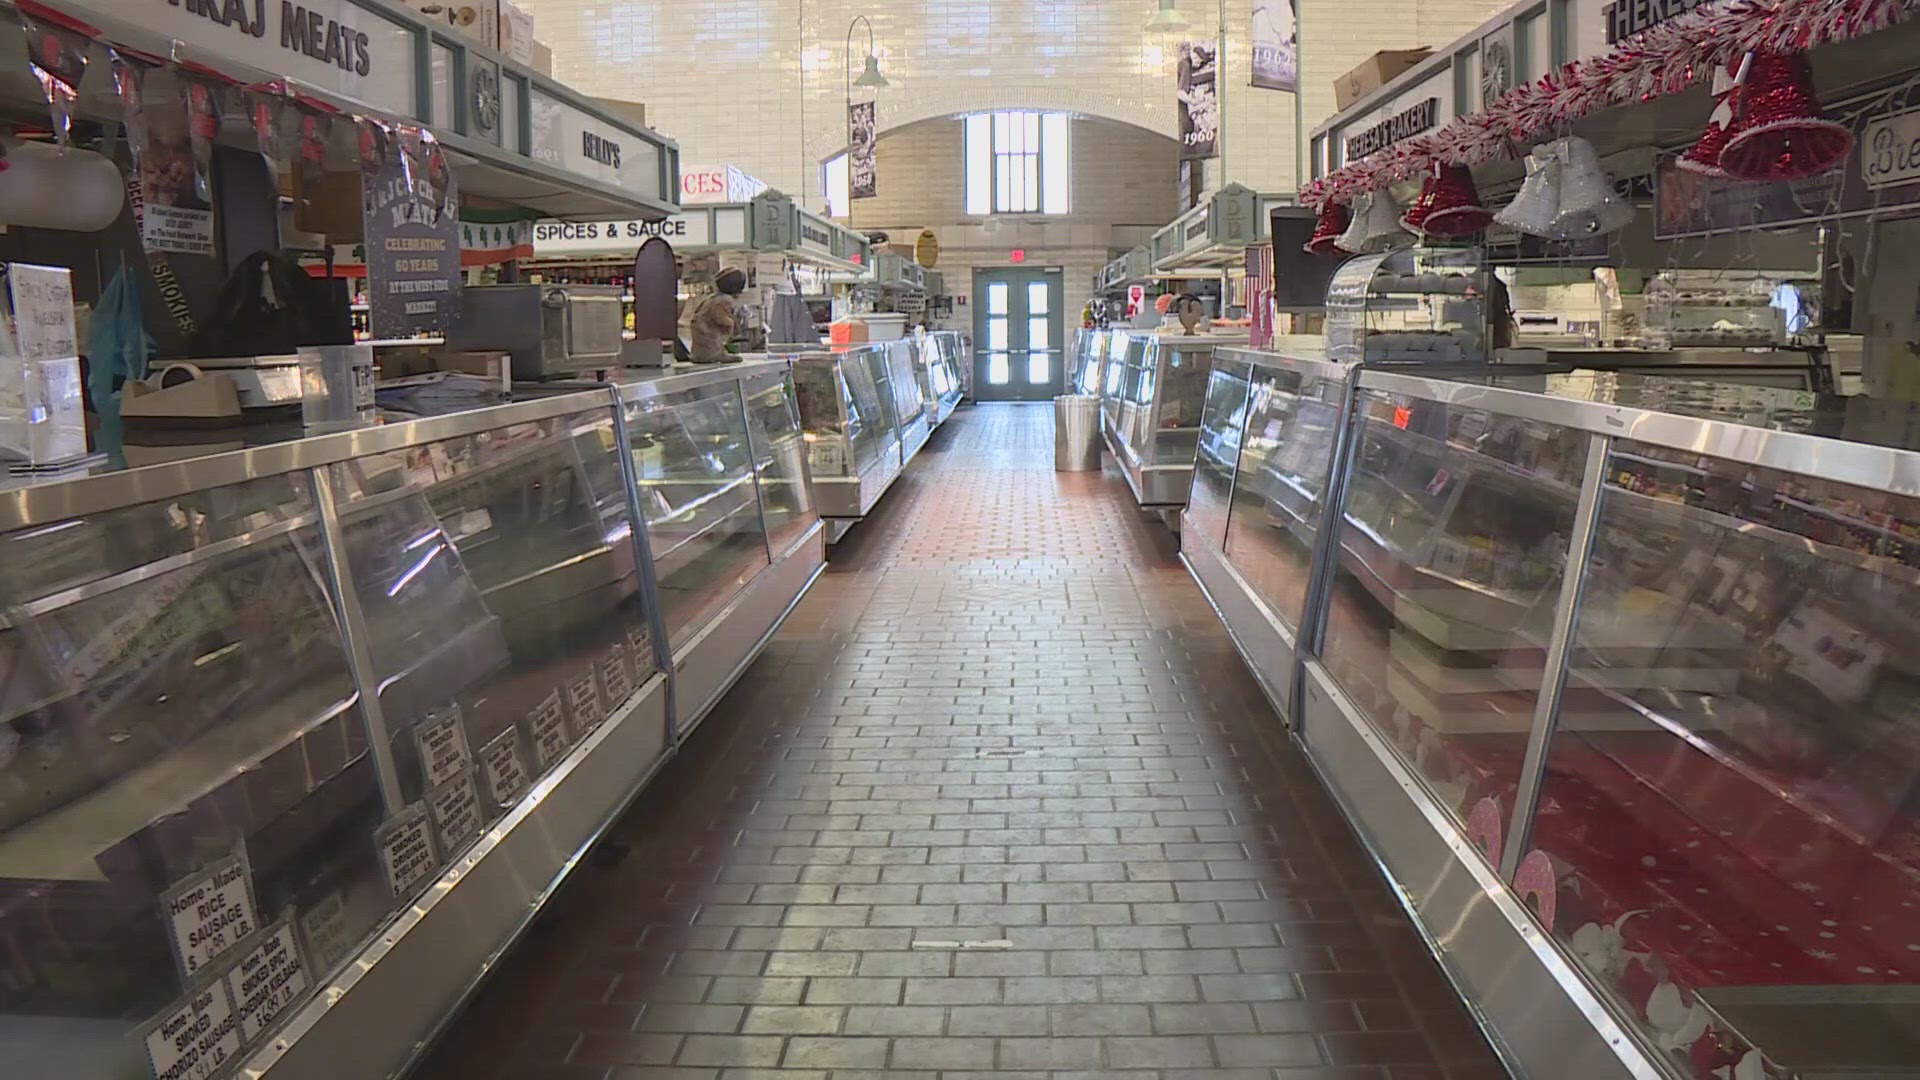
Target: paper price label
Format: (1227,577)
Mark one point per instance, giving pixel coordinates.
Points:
(329,938)
(195,1039)
(267,979)
(443,746)
(640,646)
(613,672)
(507,775)
(583,697)
(547,731)
(42,311)
(456,813)
(209,913)
(406,850)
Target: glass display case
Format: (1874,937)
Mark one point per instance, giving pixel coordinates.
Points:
(1089,362)
(1155,428)
(849,404)
(1612,673)
(292,738)
(909,404)
(937,363)
(1412,306)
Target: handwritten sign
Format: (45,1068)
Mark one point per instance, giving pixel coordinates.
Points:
(194,1039)
(210,912)
(267,979)
(613,673)
(406,850)
(583,697)
(456,813)
(443,746)
(640,644)
(327,930)
(547,731)
(507,775)
(42,311)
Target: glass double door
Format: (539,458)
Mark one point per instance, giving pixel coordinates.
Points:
(1019,352)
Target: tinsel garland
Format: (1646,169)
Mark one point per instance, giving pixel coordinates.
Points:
(1663,60)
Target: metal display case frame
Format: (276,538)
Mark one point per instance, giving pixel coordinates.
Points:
(1478,886)
(866,398)
(1155,459)
(936,364)
(375,1006)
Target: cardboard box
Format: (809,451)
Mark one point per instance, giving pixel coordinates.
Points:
(516,33)
(1375,72)
(476,20)
(543,59)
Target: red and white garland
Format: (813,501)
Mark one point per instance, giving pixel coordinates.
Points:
(1663,60)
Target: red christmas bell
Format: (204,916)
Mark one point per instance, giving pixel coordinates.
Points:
(1326,231)
(1777,131)
(1704,157)
(1449,205)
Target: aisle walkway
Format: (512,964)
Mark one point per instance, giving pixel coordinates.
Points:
(995,800)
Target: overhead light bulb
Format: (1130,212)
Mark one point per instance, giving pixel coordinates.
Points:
(1166,20)
(871,78)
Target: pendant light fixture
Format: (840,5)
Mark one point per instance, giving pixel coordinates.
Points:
(871,78)
(1166,20)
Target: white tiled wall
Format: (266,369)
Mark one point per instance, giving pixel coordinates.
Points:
(761,83)
(1123,188)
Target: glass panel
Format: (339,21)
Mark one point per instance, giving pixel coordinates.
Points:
(907,405)
(997,333)
(997,369)
(1452,548)
(832,427)
(442,74)
(1729,809)
(873,437)
(1218,454)
(1056,183)
(997,296)
(979,138)
(1039,368)
(773,424)
(175,692)
(1039,297)
(1039,331)
(692,463)
(1285,458)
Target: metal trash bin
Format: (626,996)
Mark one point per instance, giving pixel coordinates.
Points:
(1076,433)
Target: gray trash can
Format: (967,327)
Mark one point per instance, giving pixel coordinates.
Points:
(1076,433)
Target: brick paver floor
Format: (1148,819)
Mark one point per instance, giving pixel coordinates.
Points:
(1001,798)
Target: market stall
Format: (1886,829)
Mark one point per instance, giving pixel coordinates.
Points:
(1151,411)
(1609,659)
(865,416)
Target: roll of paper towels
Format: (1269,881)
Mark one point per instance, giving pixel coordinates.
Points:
(46,187)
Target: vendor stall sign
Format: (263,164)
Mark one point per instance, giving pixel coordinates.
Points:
(411,205)
(569,138)
(1881,177)
(564,238)
(339,46)
(1396,128)
(1626,18)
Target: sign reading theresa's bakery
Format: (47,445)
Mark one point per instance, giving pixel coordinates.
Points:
(339,46)
(1401,125)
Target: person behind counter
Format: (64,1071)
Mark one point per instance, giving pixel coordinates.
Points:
(712,318)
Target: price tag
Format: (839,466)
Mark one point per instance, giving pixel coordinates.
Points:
(443,746)
(194,1039)
(42,311)
(640,645)
(456,813)
(406,850)
(613,673)
(507,775)
(583,697)
(267,979)
(547,731)
(324,925)
(210,912)
(828,455)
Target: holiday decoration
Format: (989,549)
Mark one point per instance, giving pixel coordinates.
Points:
(1537,204)
(1375,226)
(1658,62)
(1449,205)
(1334,220)
(1589,204)
(1704,156)
(1777,131)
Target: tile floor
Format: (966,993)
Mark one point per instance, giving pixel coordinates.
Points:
(1000,798)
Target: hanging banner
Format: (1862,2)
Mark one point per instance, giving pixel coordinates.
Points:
(1199,92)
(173,150)
(488,238)
(1276,45)
(413,232)
(862,169)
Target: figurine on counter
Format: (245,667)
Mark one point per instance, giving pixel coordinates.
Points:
(712,318)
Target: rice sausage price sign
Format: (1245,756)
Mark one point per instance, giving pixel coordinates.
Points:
(209,913)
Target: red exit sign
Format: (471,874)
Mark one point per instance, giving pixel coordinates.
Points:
(1017,255)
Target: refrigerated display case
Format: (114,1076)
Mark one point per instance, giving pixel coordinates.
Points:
(1617,689)
(937,362)
(1153,427)
(851,411)
(1089,362)
(294,739)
